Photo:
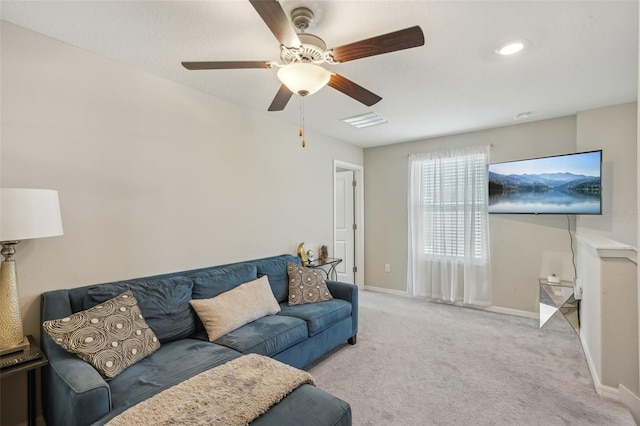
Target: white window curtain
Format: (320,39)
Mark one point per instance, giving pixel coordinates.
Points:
(449,226)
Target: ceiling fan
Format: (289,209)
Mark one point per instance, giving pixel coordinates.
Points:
(302,53)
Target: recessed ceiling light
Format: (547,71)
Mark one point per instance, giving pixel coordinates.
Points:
(523,115)
(512,47)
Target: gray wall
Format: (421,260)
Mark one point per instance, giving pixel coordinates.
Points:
(152,176)
(523,247)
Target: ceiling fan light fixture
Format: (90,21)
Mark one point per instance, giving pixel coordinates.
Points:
(304,78)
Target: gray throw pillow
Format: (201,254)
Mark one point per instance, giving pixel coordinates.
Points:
(306,285)
(111,336)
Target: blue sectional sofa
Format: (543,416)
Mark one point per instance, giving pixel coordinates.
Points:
(74,393)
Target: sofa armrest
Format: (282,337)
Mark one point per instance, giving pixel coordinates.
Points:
(348,292)
(73,392)
(76,394)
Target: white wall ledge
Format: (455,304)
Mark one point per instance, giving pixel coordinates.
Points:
(606,247)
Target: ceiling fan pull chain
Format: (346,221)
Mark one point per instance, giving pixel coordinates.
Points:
(301,132)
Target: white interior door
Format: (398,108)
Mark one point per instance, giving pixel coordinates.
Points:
(344,225)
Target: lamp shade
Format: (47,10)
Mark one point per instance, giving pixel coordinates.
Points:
(29,213)
(304,78)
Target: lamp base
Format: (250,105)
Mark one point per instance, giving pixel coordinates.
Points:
(11,334)
(22,346)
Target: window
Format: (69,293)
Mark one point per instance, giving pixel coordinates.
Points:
(453,199)
(449,257)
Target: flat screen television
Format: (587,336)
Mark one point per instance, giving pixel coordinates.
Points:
(560,184)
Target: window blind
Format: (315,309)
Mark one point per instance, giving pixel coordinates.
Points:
(453,202)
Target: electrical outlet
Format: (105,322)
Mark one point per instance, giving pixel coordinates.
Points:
(577,289)
(387,267)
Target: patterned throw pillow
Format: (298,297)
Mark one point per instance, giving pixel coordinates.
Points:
(306,285)
(111,336)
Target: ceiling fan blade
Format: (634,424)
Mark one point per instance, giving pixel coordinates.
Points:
(226,65)
(386,43)
(281,99)
(350,88)
(276,19)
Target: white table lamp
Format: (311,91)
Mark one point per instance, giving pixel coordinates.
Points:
(24,214)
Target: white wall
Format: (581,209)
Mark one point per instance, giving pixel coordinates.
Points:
(152,176)
(609,313)
(609,308)
(523,247)
(614,130)
(634,401)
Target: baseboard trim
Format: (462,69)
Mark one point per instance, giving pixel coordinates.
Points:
(608,392)
(632,401)
(514,312)
(386,290)
(494,309)
(602,390)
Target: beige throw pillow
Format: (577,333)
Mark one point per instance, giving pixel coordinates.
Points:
(306,285)
(236,307)
(111,336)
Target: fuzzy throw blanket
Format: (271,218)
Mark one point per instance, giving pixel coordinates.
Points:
(234,393)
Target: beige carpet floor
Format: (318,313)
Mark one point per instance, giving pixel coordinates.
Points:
(420,363)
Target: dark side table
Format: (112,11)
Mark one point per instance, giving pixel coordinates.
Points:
(30,368)
(330,265)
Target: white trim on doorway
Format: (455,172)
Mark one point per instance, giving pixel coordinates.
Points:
(358,175)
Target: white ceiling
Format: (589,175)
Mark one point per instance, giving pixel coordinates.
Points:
(583,55)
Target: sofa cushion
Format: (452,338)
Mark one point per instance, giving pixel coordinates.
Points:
(173,363)
(319,316)
(276,269)
(306,285)
(111,336)
(164,303)
(208,283)
(307,405)
(268,335)
(236,307)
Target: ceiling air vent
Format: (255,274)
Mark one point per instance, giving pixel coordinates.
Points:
(365,120)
